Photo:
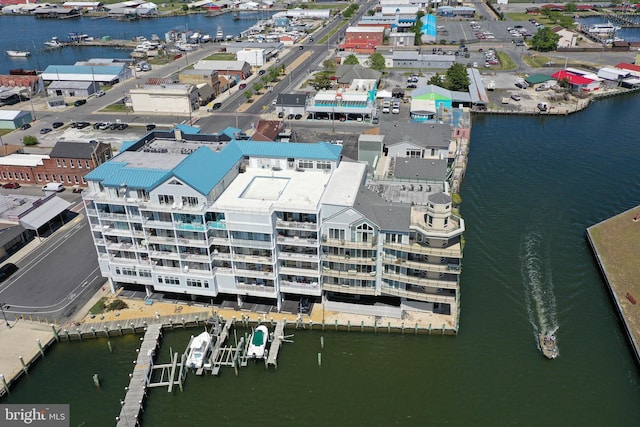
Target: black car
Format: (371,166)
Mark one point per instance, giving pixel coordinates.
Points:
(25,126)
(151,126)
(96,125)
(6,271)
(56,125)
(281,114)
(290,116)
(122,126)
(298,116)
(301,47)
(80,102)
(216,106)
(261,72)
(82,125)
(45,130)
(311,39)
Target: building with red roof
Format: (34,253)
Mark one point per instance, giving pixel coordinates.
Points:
(577,81)
(633,69)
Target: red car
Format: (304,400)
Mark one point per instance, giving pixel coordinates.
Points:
(11,185)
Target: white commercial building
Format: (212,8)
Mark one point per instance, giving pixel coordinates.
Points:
(241,220)
(172,98)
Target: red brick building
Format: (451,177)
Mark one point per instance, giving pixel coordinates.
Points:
(363,39)
(67,163)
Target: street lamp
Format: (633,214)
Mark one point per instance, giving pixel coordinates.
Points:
(2,306)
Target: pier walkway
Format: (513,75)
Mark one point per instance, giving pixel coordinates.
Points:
(278,338)
(136,392)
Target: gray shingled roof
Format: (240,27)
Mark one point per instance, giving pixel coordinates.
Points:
(432,135)
(292,99)
(440,198)
(421,169)
(346,73)
(74,150)
(390,216)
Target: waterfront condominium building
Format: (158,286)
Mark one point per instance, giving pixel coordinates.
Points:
(237,220)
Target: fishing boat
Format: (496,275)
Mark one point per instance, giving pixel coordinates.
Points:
(219,34)
(18,53)
(258,343)
(53,43)
(198,350)
(607,28)
(548,345)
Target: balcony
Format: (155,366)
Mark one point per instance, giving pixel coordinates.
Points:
(349,244)
(110,231)
(114,216)
(161,239)
(253,258)
(220,255)
(190,226)
(454,228)
(214,240)
(438,268)
(165,255)
(122,260)
(258,290)
(261,244)
(415,295)
(92,212)
(117,246)
(195,257)
(420,281)
(349,274)
(152,223)
(299,285)
(346,259)
(298,256)
(295,271)
(217,225)
(239,272)
(311,226)
(297,241)
(453,251)
(346,289)
(200,243)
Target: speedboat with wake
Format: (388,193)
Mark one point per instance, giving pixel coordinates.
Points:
(548,345)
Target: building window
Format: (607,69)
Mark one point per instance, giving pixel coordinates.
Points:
(171,280)
(46,177)
(194,283)
(71,164)
(189,201)
(27,176)
(144,273)
(416,154)
(21,176)
(165,199)
(64,163)
(4,175)
(323,165)
(336,233)
(69,179)
(86,162)
(75,178)
(305,164)
(10,175)
(84,181)
(61,179)
(58,162)
(39,177)
(446,221)
(429,220)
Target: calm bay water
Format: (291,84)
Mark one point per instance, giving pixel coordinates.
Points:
(532,187)
(29,33)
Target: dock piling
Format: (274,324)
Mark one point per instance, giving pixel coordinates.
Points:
(96,380)
(109,345)
(40,347)
(120,328)
(79,333)
(322,343)
(4,384)
(319,360)
(24,366)
(93,332)
(66,332)
(55,332)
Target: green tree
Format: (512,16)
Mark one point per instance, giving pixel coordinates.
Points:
(457,78)
(258,87)
(329,64)
(321,82)
(570,7)
(371,12)
(185,8)
(30,140)
(544,40)
(248,94)
(351,60)
(436,80)
(376,61)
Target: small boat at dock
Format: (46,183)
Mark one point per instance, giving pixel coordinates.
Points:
(258,343)
(54,43)
(198,350)
(18,53)
(548,345)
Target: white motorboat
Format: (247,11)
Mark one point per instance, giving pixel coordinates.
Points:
(219,34)
(53,43)
(607,28)
(198,350)
(18,53)
(548,345)
(205,38)
(258,343)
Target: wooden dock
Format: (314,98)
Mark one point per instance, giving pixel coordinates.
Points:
(278,339)
(136,392)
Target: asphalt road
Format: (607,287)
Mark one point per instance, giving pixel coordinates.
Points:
(57,278)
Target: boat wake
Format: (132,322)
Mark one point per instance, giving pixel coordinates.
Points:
(538,285)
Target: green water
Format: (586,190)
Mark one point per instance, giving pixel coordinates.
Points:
(532,187)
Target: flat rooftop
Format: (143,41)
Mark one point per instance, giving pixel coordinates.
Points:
(260,189)
(345,184)
(161,160)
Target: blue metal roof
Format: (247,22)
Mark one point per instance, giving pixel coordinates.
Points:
(186,129)
(105,170)
(230,131)
(84,69)
(314,151)
(204,168)
(126,144)
(137,178)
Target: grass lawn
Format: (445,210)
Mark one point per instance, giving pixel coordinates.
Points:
(506,63)
(98,307)
(333,31)
(221,57)
(114,108)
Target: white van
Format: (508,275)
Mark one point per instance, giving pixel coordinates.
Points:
(53,186)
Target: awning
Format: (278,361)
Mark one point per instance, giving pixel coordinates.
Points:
(44,213)
(423,106)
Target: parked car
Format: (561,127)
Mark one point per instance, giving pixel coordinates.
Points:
(375,121)
(281,114)
(82,125)
(242,86)
(516,97)
(216,106)
(6,271)
(100,93)
(56,125)
(45,130)
(301,47)
(261,72)
(298,116)
(25,126)
(11,185)
(121,126)
(53,186)
(151,126)
(80,102)
(97,125)
(290,116)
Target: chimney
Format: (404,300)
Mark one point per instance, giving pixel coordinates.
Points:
(178,134)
